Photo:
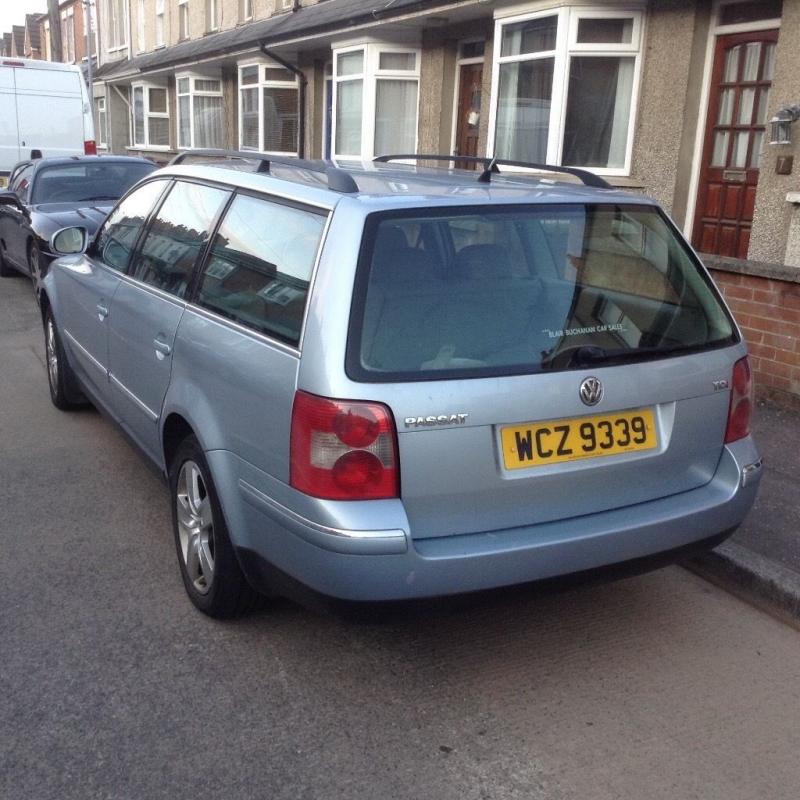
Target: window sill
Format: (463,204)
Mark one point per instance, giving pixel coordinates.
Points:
(150,147)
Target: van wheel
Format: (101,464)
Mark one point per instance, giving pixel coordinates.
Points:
(64,391)
(211,574)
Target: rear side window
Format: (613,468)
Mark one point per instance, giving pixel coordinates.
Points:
(519,289)
(260,266)
(177,235)
(117,238)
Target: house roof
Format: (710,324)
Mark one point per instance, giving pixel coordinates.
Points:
(32,26)
(307,20)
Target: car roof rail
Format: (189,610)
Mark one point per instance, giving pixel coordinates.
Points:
(491,166)
(339,180)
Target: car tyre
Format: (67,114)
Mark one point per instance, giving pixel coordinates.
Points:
(64,390)
(210,570)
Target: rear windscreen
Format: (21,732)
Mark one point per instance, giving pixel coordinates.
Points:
(518,289)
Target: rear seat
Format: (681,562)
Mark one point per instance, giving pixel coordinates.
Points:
(481,313)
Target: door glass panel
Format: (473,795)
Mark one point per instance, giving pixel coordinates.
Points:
(732,65)
(739,154)
(720,153)
(746,101)
(523,110)
(176,236)
(117,238)
(726,98)
(755,155)
(763,105)
(752,53)
(749,11)
(530,36)
(769,63)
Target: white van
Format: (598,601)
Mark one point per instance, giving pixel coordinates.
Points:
(44,106)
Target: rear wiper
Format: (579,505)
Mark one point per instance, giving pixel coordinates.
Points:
(589,355)
(99,197)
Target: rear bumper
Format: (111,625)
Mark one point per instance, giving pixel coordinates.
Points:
(389,565)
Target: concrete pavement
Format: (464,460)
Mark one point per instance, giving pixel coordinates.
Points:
(113,686)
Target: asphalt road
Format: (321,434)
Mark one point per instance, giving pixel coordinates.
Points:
(113,686)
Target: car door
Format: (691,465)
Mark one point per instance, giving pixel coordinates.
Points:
(86,285)
(148,307)
(15,222)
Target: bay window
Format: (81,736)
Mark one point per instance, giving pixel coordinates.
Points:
(150,111)
(268,98)
(201,117)
(565,84)
(375,100)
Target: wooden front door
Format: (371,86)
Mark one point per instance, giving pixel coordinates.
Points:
(735,135)
(468,122)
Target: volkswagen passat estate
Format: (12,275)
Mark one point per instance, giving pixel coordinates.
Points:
(389,382)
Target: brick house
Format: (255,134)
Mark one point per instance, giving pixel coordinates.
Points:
(73,32)
(672,98)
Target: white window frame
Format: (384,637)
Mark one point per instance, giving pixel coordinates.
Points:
(193,92)
(183,15)
(260,85)
(247,10)
(100,105)
(370,77)
(68,34)
(158,36)
(141,43)
(566,47)
(145,86)
(213,8)
(117,39)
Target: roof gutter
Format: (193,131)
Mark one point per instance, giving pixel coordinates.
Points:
(301,96)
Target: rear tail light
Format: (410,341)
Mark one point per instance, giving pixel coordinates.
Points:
(343,450)
(741,407)
(90,147)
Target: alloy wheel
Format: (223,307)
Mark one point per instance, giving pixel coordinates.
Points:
(52,354)
(195,527)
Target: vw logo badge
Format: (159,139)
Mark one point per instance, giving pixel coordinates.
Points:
(591,391)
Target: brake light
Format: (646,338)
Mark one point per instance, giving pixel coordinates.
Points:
(343,450)
(90,147)
(741,406)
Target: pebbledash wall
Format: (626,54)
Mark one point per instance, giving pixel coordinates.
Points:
(765,299)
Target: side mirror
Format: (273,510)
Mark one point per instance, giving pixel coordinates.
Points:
(69,241)
(9,198)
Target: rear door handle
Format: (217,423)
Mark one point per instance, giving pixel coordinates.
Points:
(162,348)
(102,311)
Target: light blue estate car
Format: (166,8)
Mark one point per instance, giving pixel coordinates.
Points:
(388,382)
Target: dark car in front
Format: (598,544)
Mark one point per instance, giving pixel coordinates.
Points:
(48,194)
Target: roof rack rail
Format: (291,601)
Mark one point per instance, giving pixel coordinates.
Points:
(338,179)
(490,165)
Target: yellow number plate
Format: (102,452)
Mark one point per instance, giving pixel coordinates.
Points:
(539,443)
(3,181)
